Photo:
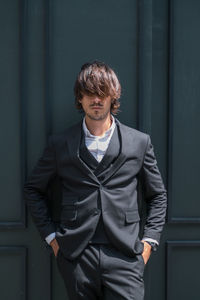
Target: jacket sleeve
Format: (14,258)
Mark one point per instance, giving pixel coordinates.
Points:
(35,190)
(154,193)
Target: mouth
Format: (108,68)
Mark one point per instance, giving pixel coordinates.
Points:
(96,107)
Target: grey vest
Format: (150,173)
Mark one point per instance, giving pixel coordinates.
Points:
(100,170)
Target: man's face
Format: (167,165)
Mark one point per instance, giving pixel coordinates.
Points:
(96,108)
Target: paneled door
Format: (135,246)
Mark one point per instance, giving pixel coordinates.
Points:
(153,46)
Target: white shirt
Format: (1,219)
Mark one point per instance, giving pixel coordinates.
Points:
(97,145)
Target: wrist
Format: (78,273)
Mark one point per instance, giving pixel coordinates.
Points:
(147,246)
(53,242)
(153,245)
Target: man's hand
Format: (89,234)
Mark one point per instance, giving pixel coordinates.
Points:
(146,252)
(55,246)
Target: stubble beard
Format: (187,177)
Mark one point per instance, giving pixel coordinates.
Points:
(97,116)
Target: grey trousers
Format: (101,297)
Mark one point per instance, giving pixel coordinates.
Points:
(102,272)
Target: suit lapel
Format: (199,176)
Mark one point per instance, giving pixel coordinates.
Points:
(111,153)
(74,146)
(123,140)
(85,154)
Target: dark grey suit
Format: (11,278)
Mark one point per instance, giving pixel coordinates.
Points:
(108,193)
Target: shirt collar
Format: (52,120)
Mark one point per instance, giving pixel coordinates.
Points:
(107,133)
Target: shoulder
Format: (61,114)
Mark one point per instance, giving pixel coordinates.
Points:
(132,132)
(68,133)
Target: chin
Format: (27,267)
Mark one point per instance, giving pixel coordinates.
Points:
(96,117)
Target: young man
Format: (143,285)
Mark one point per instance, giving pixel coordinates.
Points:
(103,167)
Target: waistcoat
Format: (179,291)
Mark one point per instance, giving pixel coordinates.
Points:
(100,169)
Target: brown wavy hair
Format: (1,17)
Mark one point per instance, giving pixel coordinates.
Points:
(97,78)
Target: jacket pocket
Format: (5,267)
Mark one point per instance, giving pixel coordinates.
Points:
(132,216)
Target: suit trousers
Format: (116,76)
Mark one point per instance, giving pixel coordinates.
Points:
(102,272)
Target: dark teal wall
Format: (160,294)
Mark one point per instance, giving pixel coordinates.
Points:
(154,46)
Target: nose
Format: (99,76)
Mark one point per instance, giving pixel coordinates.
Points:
(96,100)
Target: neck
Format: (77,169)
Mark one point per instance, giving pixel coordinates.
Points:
(98,127)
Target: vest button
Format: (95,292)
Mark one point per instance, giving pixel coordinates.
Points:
(96,211)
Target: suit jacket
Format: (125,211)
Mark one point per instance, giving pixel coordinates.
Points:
(116,188)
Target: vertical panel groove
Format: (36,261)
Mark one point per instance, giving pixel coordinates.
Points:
(145,65)
(48,107)
(48,113)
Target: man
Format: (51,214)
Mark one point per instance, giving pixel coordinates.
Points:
(103,167)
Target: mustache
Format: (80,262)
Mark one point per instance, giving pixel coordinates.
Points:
(96,104)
